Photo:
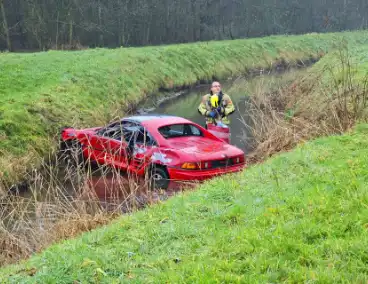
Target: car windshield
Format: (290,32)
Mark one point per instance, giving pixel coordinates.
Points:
(179,130)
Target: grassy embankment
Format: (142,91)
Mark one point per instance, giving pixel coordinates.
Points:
(45,215)
(300,216)
(43,91)
(327,99)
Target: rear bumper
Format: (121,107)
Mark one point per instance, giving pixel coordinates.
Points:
(199,175)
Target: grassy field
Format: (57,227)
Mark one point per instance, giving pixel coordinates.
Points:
(306,221)
(41,92)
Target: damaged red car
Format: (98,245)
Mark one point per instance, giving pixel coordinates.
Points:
(162,146)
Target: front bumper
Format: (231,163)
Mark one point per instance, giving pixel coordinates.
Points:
(199,175)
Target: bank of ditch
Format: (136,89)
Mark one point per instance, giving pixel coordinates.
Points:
(61,202)
(298,217)
(41,92)
(328,98)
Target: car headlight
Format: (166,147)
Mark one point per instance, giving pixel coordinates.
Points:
(190,166)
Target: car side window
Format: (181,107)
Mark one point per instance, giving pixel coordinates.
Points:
(179,130)
(176,130)
(128,131)
(137,134)
(143,137)
(128,135)
(195,131)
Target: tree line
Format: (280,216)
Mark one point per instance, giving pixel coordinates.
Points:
(73,24)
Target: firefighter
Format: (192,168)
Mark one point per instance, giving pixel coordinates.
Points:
(216,106)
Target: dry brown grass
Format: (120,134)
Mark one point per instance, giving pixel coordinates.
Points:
(63,199)
(307,109)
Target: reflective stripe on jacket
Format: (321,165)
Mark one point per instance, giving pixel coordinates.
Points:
(205,108)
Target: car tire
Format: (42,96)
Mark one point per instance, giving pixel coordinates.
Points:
(159,178)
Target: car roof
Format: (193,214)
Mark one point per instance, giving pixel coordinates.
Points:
(157,120)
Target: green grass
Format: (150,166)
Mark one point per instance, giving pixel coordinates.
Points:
(41,92)
(341,74)
(301,216)
(334,67)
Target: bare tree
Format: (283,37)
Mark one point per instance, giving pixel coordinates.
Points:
(42,24)
(5,25)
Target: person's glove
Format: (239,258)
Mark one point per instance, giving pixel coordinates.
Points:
(220,110)
(212,114)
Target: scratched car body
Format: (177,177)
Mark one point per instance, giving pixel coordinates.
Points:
(166,147)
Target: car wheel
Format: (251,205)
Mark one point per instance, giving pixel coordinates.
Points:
(159,178)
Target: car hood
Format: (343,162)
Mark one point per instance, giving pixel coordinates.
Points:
(203,148)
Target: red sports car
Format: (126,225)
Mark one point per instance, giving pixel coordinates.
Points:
(166,147)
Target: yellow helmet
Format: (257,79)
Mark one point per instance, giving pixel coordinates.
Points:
(214,101)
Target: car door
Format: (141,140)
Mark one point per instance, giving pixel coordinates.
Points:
(121,148)
(107,146)
(116,147)
(97,148)
(142,148)
(117,152)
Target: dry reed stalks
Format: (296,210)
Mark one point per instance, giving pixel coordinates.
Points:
(306,109)
(63,199)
